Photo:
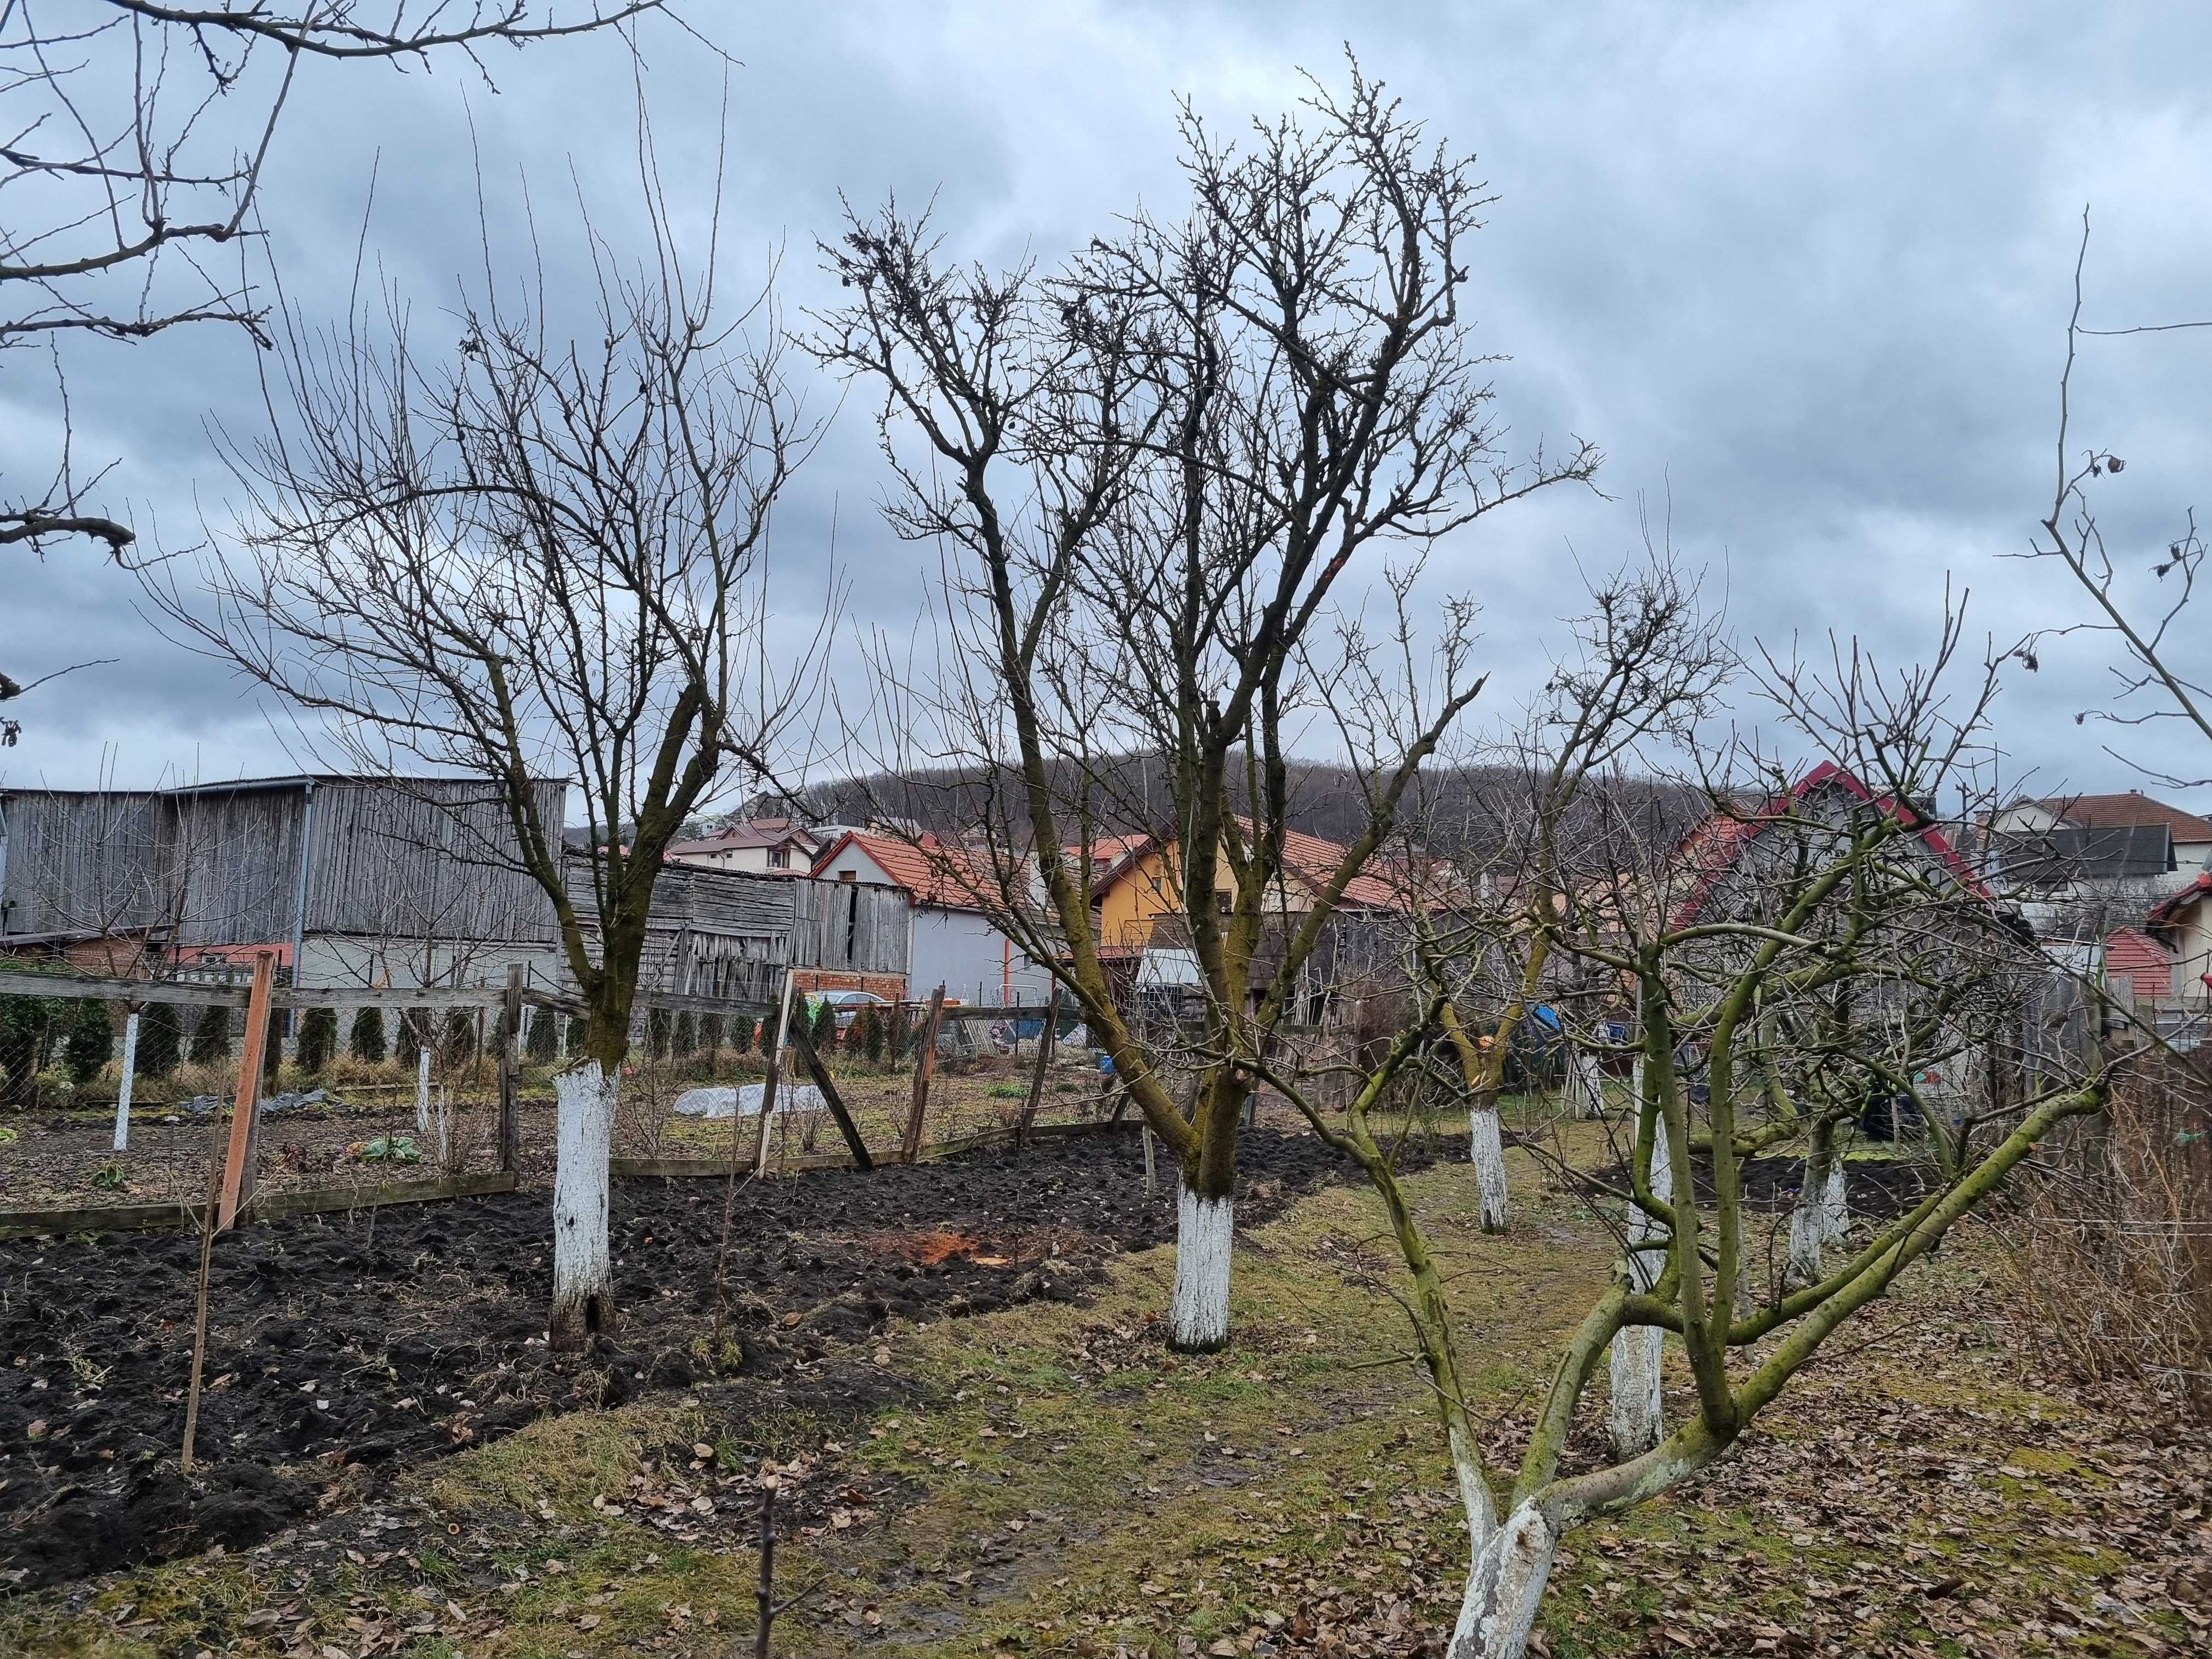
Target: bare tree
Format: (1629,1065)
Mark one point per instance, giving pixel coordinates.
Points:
(1644,665)
(1150,474)
(1833,892)
(539,556)
(131,153)
(2162,674)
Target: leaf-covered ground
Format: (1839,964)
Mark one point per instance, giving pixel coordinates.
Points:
(1046,1480)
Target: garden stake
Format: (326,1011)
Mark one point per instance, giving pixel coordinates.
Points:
(925,1064)
(238,1175)
(200,1313)
(1043,1059)
(766,1592)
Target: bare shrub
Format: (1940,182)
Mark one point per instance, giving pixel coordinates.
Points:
(2115,1237)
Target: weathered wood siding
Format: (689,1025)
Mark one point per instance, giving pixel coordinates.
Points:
(424,859)
(401,860)
(731,934)
(75,861)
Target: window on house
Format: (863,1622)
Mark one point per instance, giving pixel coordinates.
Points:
(779,858)
(849,875)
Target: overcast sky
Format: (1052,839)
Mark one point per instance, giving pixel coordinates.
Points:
(1801,271)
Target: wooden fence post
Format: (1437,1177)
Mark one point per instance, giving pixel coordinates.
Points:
(802,1045)
(1045,1041)
(238,1181)
(925,1068)
(510,1070)
(774,1071)
(422,1083)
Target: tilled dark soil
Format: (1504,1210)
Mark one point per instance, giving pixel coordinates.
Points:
(388,1338)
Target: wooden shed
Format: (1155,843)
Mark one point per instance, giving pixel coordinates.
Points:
(352,880)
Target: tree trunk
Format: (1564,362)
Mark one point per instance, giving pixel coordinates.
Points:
(1835,1204)
(1808,1224)
(583,1283)
(1198,1319)
(1486,1148)
(1589,1086)
(1505,1586)
(1638,1421)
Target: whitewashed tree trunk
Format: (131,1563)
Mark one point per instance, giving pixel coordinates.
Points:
(1487,1149)
(123,1088)
(1821,1215)
(583,1282)
(422,1090)
(1638,1421)
(1835,1206)
(1588,1085)
(1198,1318)
(1504,1588)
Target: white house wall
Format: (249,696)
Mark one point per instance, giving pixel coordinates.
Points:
(961,950)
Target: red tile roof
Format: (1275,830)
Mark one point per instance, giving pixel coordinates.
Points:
(2119,811)
(1714,846)
(932,871)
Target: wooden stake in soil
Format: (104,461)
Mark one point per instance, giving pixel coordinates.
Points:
(765,1591)
(237,1175)
(925,1068)
(123,1088)
(802,1045)
(200,1301)
(760,1152)
(775,1072)
(510,1069)
(1045,1040)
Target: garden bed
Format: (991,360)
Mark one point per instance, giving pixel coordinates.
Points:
(349,1346)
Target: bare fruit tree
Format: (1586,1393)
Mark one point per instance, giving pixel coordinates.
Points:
(135,136)
(527,554)
(1155,476)
(1816,925)
(1644,665)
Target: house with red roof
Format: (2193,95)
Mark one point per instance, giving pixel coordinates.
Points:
(1727,845)
(955,895)
(2182,924)
(757,846)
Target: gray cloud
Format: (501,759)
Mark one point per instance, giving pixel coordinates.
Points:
(1801,271)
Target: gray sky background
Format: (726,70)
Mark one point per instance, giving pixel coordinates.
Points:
(1801,271)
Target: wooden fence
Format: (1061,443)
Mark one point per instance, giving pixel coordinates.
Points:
(233,1185)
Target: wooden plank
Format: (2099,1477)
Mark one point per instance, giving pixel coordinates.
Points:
(237,1180)
(805,1044)
(319,1200)
(96,1219)
(14,982)
(925,1066)
(678,1169)
(1045,1040)
(322,1200)
(443,997)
